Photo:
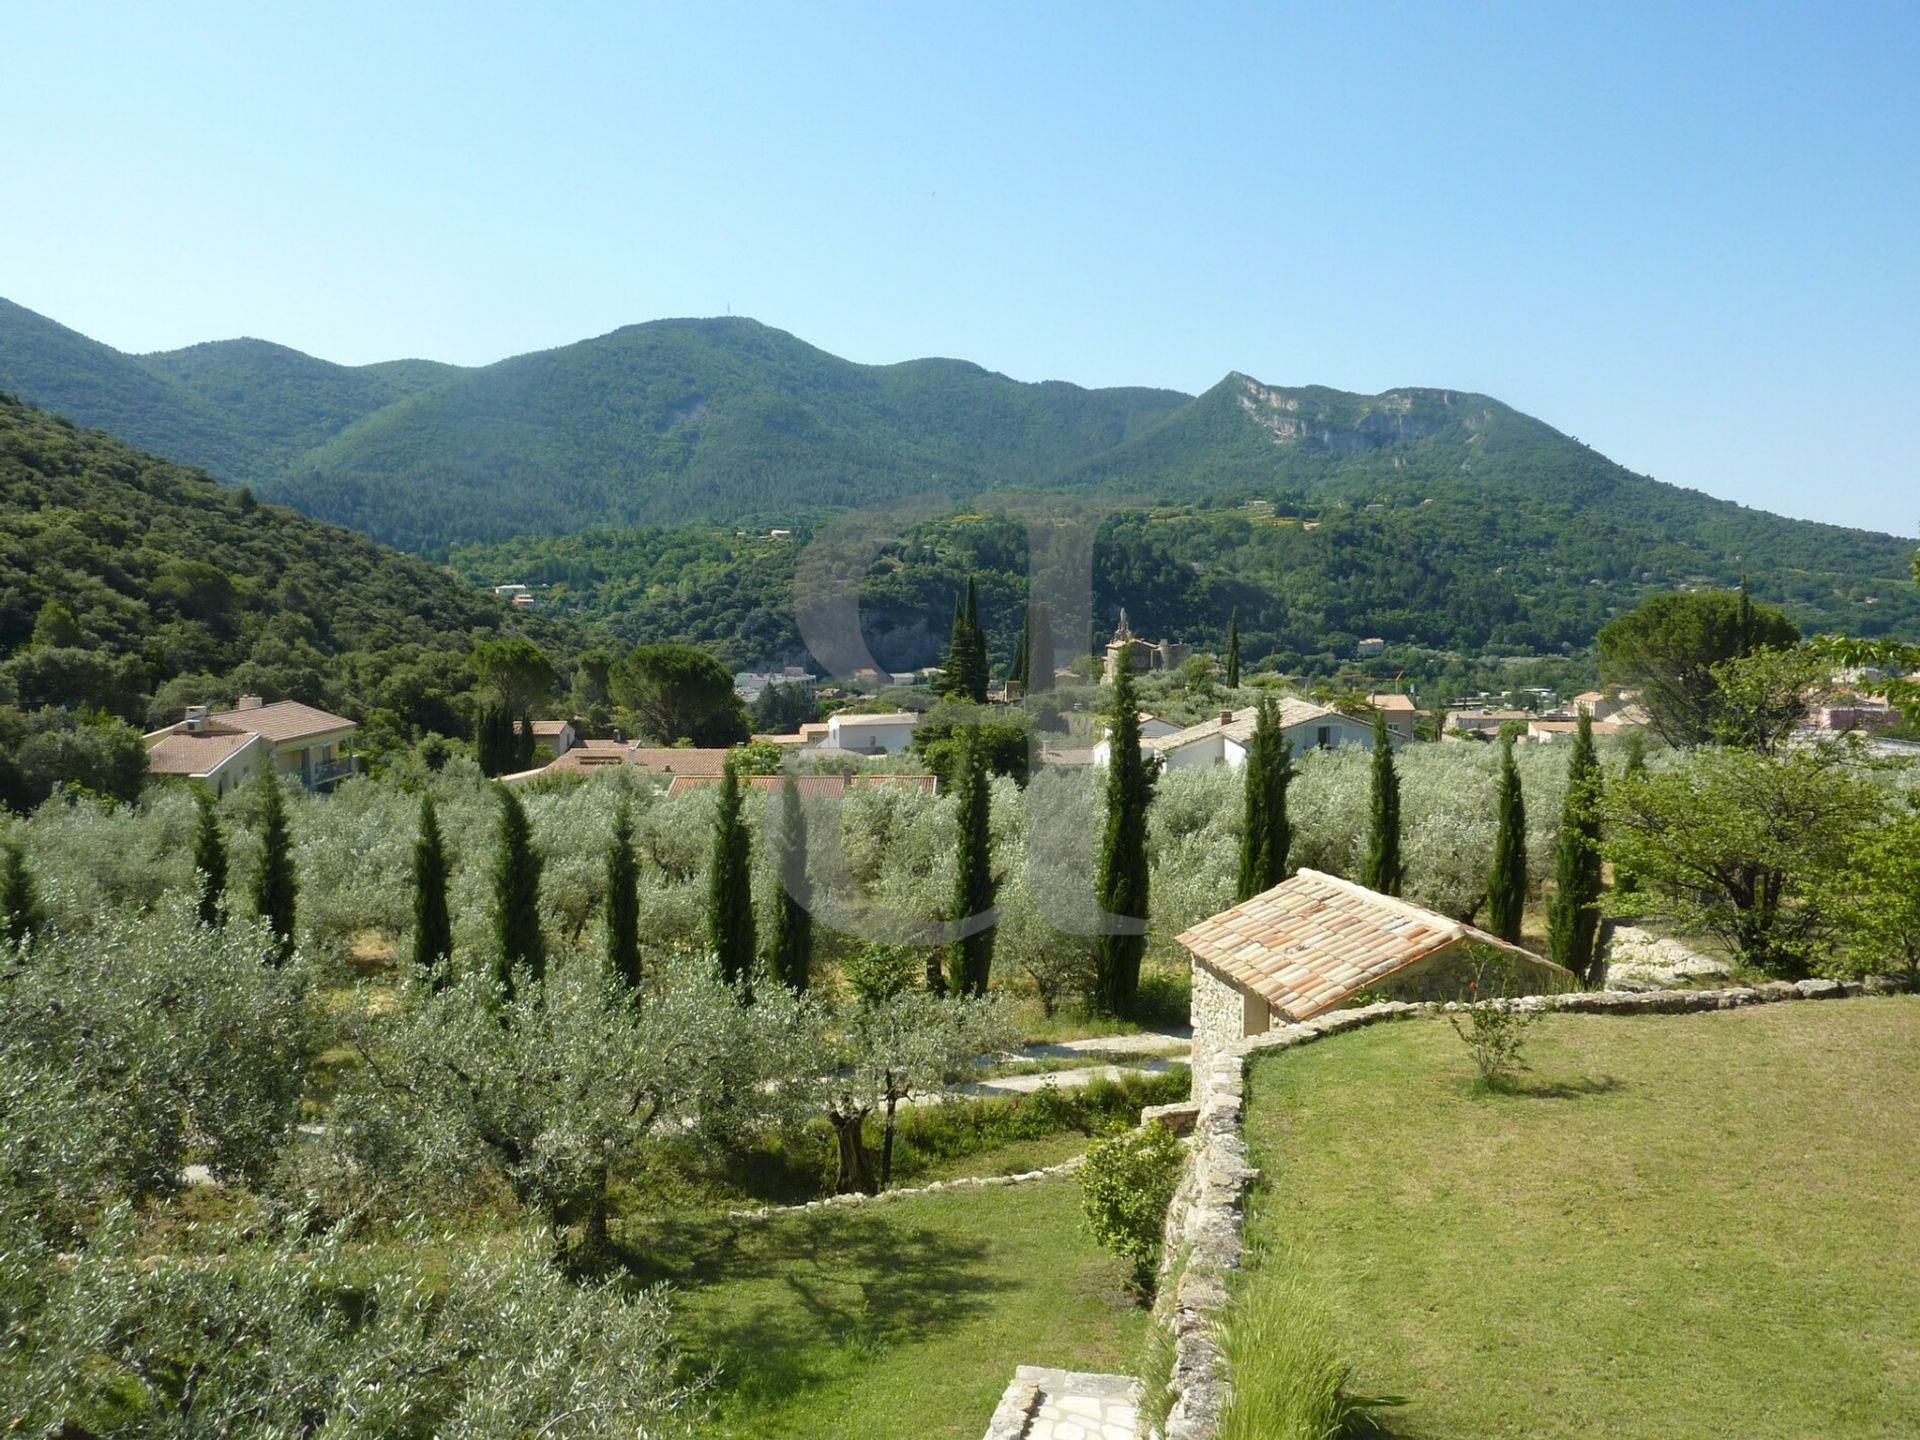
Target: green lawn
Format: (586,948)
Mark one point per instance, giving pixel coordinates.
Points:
(903,1318)
(1696,1226)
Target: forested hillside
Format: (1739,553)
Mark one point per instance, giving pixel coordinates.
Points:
(1308,581)
(134,585)
(1465,523)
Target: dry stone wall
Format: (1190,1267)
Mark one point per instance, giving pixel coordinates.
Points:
(1205,1225)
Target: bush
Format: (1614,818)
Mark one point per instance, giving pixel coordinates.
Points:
(1125,1188)
(1494,1031)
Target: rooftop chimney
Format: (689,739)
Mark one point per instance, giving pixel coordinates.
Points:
(197,717)
(1226,717)
(249,702)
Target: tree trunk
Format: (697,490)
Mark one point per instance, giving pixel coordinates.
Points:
(856,1165)
(886,1140)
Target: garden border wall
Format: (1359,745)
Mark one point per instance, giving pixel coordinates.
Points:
(1204,1233)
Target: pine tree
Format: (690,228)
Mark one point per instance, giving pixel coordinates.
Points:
(1383,871)
(1122,883)
(970,958)
(1233,652)
(275,886)
(516,899)
(1573,919)
(1265,834)
(19,900)
(1039,661)
(790,956)
(623,901)
(209,862)
(1507,884)
(432,928)
(730,889)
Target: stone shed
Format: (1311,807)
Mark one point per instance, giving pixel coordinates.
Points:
(1314,942)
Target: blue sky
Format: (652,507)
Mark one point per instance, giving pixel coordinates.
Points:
(1691,240)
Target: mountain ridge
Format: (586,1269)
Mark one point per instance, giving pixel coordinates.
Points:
(721,419)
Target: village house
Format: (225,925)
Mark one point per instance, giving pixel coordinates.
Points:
(1225,739)
(1402,714)
(224,749)
(553,738)
(1315,943)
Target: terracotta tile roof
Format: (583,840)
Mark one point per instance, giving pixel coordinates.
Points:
(1392,701)
(284,720)
(551,727)
(891,717)
(196,752)
(1310,942)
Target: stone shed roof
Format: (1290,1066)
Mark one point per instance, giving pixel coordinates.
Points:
(1313,940)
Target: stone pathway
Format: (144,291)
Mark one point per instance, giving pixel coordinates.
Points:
(1044,1404)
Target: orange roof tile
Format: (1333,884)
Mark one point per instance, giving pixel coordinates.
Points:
(284,720)
(1313,940)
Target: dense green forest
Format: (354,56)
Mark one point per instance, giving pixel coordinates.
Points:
(132,585)
(1438,580)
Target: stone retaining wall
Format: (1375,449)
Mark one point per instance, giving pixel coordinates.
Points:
(1204,1234)
(972,1182)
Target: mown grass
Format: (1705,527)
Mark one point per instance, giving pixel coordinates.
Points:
(901,1318)
(1679,1225)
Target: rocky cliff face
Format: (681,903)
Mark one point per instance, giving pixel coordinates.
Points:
(1330,421)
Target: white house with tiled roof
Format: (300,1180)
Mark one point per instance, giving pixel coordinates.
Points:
(225,748)
(1314,941)
(1225,739)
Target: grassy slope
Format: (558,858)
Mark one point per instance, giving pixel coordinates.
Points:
(905,1318)
(1699,1226)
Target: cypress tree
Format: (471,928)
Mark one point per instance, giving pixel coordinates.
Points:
(516,898)
(1017,667)
(790,956)
(522,731)
(432,929)
(977,672)
(492,740)
(970,958)
(730,889)
(623,901)
(1121,887)
(1625,881)
(275,887)
(19,900)
(953,669)
(1039,661)
(209,861)
(1265,834)
(1383,871)
(1233,652)
(1507,884)
(1573,919)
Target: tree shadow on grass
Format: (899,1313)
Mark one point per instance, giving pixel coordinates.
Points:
(807,1288)
(1563,1089)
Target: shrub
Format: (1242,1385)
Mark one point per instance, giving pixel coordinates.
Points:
(1125,1188)
(1494,1032)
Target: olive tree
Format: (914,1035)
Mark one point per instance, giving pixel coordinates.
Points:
(557,1089)
(894,1048)
(142,1044)
(297,1336)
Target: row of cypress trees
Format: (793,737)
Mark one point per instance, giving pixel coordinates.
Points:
(1573,915)
(276,885)
(502,741)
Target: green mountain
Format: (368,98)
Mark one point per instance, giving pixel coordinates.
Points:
(136,585)
(1493,529)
